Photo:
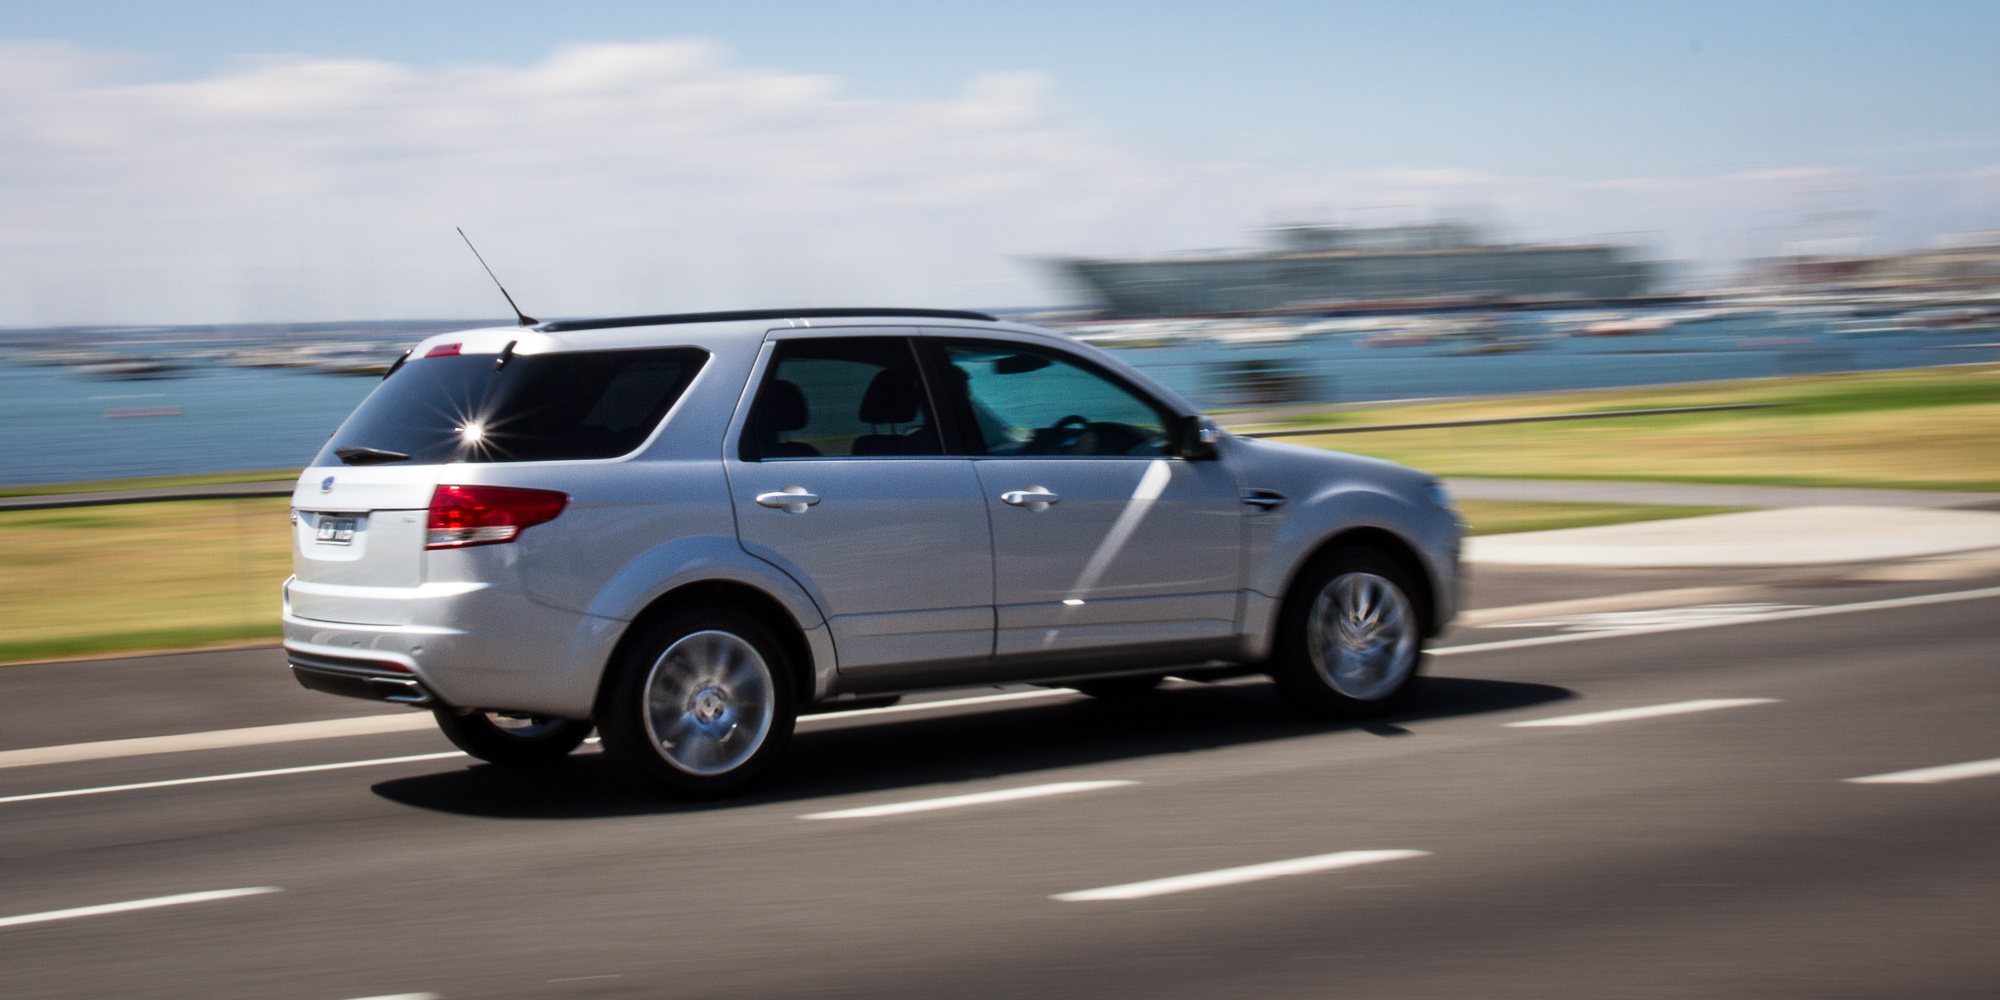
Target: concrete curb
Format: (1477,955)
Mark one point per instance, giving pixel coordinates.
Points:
(1797,536)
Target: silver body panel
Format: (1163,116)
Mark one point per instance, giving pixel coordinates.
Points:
(910,572)
(895,553)
(1138,550)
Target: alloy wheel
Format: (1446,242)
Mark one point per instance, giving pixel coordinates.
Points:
(709,702)
(1362,635)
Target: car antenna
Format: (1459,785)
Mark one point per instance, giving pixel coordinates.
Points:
(525,319)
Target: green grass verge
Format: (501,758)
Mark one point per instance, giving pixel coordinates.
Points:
(1924,428)
(138,640)
(149,482)
(1498,517)
(170,575)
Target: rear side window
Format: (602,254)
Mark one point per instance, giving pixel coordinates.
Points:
(536,408)
(845,397)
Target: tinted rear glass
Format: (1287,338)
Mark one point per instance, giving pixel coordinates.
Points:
(537,407)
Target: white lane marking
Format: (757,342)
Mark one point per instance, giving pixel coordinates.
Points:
(1644,712)
(219,739)
(1616,621)
(1832,609)
(1152,483)
(973,799)
(984,699)
(137,904)
(205,779)
(1932,775)
(1231,876)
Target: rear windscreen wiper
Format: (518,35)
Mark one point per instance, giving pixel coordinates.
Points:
(369,456)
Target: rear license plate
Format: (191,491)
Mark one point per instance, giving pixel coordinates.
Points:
(335,531)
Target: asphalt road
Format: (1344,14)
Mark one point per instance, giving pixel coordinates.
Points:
(1713,851)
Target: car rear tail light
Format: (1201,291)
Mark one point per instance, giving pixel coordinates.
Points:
(487,515)
(442,351)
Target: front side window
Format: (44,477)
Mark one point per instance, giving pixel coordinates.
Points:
(1029,401)
(529,408)
(842,397)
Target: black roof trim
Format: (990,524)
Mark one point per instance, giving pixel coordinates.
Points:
(558,326)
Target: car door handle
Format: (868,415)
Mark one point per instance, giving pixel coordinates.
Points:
(792,498)
(1264,500)
(1033,498)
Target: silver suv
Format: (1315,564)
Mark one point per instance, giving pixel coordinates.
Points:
(686,530)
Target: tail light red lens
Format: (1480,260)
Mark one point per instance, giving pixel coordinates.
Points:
(487,515)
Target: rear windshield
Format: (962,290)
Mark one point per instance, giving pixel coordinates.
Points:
(537,407)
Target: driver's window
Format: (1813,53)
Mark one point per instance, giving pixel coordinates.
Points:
(1027,401)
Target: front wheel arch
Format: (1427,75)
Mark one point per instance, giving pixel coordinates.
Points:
(1389,544)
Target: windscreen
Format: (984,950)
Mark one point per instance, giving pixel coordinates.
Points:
(535,408)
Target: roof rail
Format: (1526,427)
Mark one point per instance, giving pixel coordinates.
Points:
(558,326)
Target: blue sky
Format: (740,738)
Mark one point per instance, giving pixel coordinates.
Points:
(1587,90)
(219,161)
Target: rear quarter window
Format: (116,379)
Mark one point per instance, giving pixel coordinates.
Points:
(535,408)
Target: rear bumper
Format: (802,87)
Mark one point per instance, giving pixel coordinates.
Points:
(354,677)
(528,659)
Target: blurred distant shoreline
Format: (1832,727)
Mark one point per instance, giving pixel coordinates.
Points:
(124,401)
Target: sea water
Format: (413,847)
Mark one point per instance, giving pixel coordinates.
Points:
(60,424)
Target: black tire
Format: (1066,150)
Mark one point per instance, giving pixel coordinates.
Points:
(1120,688)
(511,741)
(1350,648)
(708,697)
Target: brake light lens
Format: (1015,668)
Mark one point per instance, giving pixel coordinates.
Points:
(442,351)
(487,515)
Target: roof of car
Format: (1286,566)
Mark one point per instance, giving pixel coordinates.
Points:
(563,325)
(744,328)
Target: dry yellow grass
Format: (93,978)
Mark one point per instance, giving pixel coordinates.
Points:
(1933,428)
(140,576)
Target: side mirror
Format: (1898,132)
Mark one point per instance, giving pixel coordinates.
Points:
(1018,364)
(1194,438)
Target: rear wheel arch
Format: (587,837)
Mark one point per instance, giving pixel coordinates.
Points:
(770,610)
(1389,544)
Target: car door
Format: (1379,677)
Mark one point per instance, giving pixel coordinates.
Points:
(839,476)
(1102,539)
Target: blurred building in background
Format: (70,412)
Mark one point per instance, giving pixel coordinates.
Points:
(1317,267)
(1959,262)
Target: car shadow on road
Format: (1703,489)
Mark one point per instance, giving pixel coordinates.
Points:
(881,754)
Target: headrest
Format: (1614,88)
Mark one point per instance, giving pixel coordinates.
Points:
(891,398)
(783,407)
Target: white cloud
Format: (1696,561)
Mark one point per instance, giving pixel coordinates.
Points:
(665,175)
